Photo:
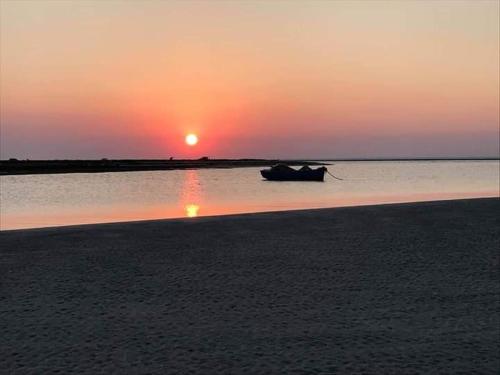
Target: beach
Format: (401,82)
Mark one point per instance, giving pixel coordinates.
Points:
(388,289)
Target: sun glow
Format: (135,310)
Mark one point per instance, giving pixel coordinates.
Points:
(191,139)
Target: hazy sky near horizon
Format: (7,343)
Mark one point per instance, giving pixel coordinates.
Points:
(92,79)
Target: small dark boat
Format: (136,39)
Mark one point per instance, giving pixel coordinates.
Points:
(282,172)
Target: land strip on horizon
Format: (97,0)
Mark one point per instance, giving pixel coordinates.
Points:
(26,166)
(16,167)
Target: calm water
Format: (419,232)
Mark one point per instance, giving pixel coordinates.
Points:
(62,199)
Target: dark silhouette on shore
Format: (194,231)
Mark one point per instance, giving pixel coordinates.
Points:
(15,166)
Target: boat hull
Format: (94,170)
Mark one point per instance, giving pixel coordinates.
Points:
(294,175)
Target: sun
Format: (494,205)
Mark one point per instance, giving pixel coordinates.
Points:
(191,139)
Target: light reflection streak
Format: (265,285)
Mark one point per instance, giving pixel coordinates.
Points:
(191,194)
(192,210)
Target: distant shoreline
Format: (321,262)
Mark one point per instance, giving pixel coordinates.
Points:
(22,167)
(415,159)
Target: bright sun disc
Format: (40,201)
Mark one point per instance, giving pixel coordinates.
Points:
(191,139)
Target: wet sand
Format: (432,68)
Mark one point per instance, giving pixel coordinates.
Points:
(391,289)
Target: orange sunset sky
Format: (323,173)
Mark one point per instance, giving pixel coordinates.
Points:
(288,79)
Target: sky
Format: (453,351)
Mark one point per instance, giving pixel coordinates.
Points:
(271,79)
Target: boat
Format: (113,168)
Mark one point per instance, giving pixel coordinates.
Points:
(282,172)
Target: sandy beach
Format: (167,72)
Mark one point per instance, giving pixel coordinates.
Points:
(390,289)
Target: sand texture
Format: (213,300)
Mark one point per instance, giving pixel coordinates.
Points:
(394,289)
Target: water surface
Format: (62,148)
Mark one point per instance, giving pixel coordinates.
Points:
(29,201)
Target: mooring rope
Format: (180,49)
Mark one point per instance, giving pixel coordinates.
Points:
(338,178)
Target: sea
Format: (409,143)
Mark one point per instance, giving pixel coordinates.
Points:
(46,200)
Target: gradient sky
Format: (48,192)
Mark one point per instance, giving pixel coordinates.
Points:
(92,79)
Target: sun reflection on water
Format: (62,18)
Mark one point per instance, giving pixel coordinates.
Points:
(192,210)
(191,194)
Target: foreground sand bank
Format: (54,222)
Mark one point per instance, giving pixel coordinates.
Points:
(407,288)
